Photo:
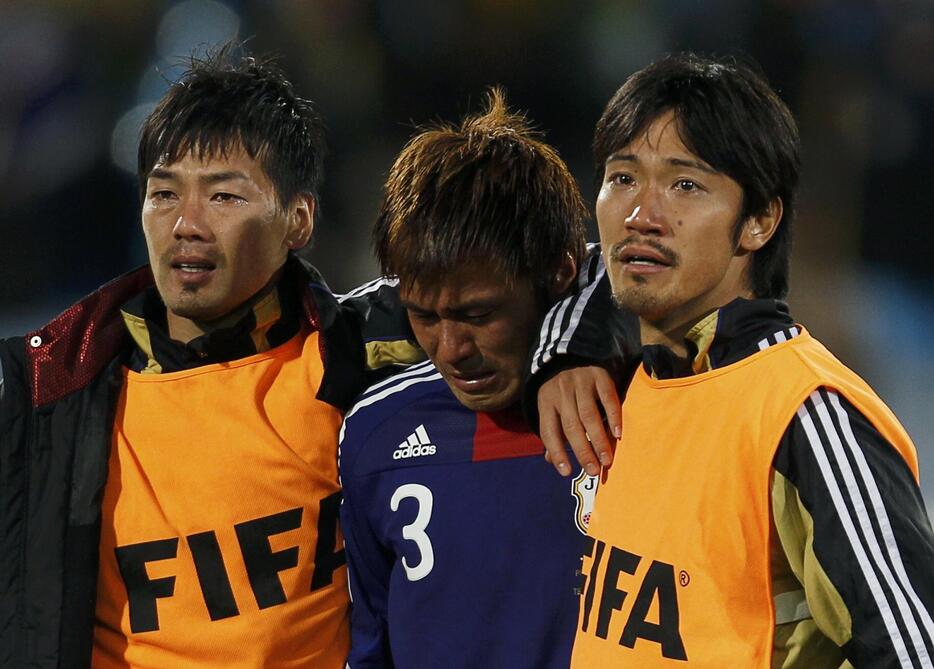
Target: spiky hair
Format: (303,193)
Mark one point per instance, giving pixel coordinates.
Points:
(226,101)
(488,189)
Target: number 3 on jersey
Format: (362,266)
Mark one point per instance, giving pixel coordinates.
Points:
(415,531)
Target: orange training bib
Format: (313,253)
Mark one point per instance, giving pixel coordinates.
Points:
(678,572)
(220,545)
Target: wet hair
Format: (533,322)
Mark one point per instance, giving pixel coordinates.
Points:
(727,115)
(487,190)
(226,101)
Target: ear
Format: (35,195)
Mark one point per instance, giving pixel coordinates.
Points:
(562,277)
(301,215)
(758,230)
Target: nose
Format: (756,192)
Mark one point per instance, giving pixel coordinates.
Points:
(455,345)
(191,224)
(648,215)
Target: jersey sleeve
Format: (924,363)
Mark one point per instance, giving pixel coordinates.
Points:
(585,328)
(851,521)
(369,569)
(387,336)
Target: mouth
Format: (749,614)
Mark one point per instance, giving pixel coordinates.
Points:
(643,258)
(472,382)
(192,269)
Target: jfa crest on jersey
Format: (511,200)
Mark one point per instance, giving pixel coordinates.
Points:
(463,544)
(584,490)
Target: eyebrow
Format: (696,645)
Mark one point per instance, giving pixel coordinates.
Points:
(678,162)
(412,306)
(212,178)
(696,164)
(480,303)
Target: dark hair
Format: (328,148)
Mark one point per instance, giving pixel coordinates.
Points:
(726,114)
(487,189)
(225,101)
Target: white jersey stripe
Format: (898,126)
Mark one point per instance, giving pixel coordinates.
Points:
(549,344)
(882,516)
(578,310)
(779,337)
(593,255)
(556,327)
(843,512)
(353,291)
(552,324)
(414,370)
(376,397)
(369,287)
(551,321)
(868,533)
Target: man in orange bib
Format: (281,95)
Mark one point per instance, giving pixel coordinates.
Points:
(168,474)
(762,508)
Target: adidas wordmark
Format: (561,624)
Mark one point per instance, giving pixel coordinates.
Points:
(417,444)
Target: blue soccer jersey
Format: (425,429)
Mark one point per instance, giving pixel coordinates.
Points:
(463,543)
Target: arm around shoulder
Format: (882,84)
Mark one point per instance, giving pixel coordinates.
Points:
(585,353)
(384,327)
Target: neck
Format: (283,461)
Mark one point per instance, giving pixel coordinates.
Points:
(671,327)
(672,337)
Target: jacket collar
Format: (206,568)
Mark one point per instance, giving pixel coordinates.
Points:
(722,337)
(267,320)
(71,350)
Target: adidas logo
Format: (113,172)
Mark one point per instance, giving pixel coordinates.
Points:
(416,445)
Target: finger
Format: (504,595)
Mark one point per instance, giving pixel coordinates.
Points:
(592,421)
(612,409)
(553,438)
(576,435)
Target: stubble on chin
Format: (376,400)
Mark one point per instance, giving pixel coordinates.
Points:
(637,299)
(187,302)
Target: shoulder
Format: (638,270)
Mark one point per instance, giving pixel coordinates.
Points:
(390,408)
(381,288)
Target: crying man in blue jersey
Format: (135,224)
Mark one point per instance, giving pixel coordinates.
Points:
(462,541)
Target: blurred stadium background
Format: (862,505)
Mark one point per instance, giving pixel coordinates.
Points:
(77,77)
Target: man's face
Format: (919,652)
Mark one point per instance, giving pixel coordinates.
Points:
(666,220)
(477,329)
(214,232)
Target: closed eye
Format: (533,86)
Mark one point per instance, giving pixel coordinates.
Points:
(422,317)
(477,317)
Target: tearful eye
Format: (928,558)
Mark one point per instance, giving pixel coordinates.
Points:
(620,179)
(228,197)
